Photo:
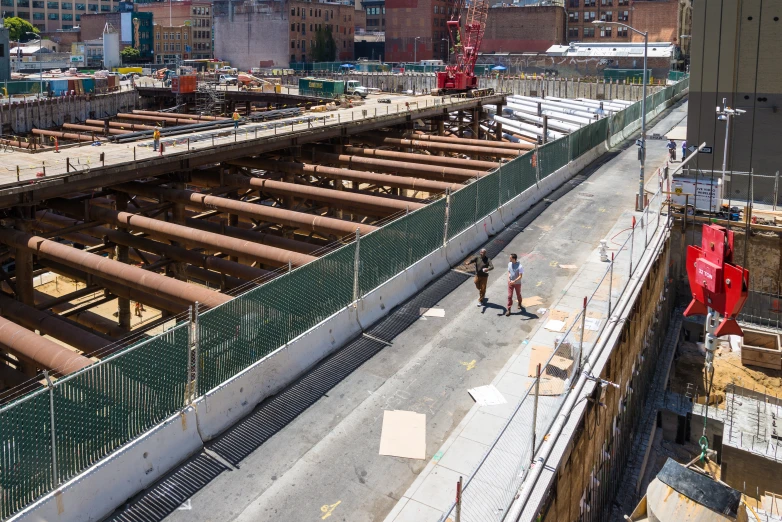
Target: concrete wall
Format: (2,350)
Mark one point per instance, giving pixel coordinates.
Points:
(246,39)
(750,473)
(21,117)
(523,29)
(741,67)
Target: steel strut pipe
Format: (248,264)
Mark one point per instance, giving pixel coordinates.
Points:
(284,217)
(386,180)
(422,158)
(89,128)
(31,347)
(51,325)
(174,118)
(85,318)
(115,271)
(255,236)
(366,204)
(198,117)
(170,251)
(453,147)
(469,141)
(66,135)
(157,228)
(133,127)
(441,173)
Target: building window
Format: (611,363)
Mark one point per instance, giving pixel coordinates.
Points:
(78,18)
(589,32)
(184,36)
(179,47)
(623,16)
(67,17)
(22,3)
(93,8)
(573,3)
(590,3)
(157,47)
(607,16)
(165,47)
(7,3)
(589,16)
(605,32)
(38,4)
(81,7)
(606,2)
(105,8)
(178,36)
(293,44)
(24,15)
(621,32)
(293,27)
(572,16)
(623,2)
(67,6)
(38,16)
(572,32)
(52,5)
(54,16)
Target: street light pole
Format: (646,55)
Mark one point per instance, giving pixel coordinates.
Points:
(642,144)
(40,64)
(447,50)
(726,114)
(415,49)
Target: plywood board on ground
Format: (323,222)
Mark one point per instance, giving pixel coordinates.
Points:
(403,435)
(538,355)
(535,300)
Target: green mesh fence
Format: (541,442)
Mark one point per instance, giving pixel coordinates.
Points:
(575,138)
(488,194)
(516,176)
(389,250)
(462,209)
(104,406)
(553,156)
(25,452)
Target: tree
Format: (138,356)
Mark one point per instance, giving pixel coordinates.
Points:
(18,29)
(325,48)
(130,55)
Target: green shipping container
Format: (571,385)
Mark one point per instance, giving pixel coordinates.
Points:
(321,87)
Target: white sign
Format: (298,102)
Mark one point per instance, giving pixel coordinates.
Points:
(77,58)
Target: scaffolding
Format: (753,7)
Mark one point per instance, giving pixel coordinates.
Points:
(210,101)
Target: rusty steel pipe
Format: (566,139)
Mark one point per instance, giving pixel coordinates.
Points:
(119,125)
(51,325)
(172,252)
(453,147)
(421,158)
(66,135)
(85,318)
(452,174)
(469,141)
(284,217)
(167,119)
(198,117)
(387,180)
(255,236)
(157,228)
(31,347)
(374,205)
(89,128)
(120,273)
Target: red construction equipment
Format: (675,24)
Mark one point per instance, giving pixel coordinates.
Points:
(466,42)
(718,286)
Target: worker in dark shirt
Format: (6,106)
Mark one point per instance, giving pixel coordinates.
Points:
(482,266)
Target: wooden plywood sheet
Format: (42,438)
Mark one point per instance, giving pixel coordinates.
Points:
(403,435)
(538,355)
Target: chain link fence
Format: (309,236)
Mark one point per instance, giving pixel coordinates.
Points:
(51,435)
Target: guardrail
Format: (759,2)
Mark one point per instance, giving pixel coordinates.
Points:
(51,435)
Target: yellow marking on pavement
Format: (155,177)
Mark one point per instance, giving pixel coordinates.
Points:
(539,283)
(329,509)
(586,226)
(554,263)
(601,210)
(469,365)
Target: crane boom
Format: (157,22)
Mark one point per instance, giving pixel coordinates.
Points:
(466,41)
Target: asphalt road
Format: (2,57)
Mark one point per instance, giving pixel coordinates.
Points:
(324,465)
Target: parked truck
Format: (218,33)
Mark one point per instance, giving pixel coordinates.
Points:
(331,88)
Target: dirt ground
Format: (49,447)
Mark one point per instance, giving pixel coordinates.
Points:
(688,368)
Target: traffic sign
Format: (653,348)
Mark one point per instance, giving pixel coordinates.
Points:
(704,150)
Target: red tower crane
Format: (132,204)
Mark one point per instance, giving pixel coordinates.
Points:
(466,41)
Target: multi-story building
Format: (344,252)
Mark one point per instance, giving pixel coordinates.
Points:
(50,15)
(522,29)
(197,14)
(416,29)
(376,15)
(664,20)
(172,43)
(256,31)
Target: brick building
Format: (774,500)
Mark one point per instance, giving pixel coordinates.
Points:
(282,32)
(48,15)
(172,43)
(523,29)
(197,14)
(664,20)
(416,30)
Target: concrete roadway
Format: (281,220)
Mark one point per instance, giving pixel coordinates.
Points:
(326,462)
